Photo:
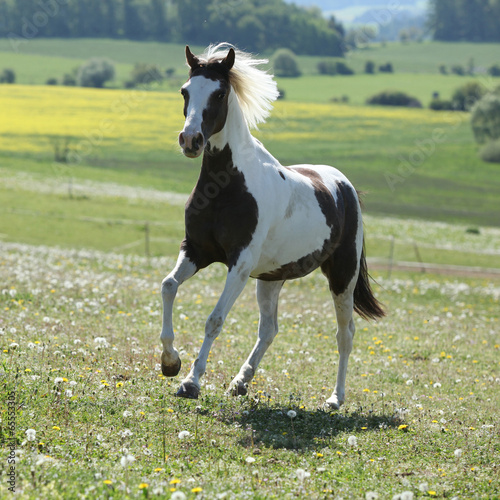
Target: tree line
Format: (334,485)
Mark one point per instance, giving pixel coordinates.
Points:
(253,25)
(465,20)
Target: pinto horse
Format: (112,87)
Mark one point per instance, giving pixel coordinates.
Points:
(259,218)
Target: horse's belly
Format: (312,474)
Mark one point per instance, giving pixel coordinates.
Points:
(292,251)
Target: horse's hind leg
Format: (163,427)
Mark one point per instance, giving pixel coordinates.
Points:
(267,298)
(345,333)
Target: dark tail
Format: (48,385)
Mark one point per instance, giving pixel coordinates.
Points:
(365,303)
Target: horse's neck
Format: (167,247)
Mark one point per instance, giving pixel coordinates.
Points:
(235,132)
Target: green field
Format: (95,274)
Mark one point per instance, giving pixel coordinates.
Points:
(84,246)
(80,351)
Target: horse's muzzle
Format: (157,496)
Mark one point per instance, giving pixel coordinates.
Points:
(192,144)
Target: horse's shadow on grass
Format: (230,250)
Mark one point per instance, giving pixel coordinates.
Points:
(304,429)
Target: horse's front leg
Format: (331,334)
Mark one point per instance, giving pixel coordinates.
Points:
(235,283)
(184,269)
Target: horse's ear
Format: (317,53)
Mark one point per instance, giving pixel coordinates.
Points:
(191,59)
(229,59)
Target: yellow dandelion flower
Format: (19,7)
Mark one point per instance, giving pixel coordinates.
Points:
(158,469)
(197,490)
(175,481)
(143,486)
(108,481)
(319,455)
(119,384)
(56,428)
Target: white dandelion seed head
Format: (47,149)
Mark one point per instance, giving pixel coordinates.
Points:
(31,434)
(58,380)
(302,474)
(371,495)
(127,460)
(352,441)
(292,414)
(423,487)
(458,453)
(409,382)
(178,495)
(249,460)
(127,414)
(184,434)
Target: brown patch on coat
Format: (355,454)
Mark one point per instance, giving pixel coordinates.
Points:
(221,214)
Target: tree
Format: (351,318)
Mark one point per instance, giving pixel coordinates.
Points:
(95,72)
(7,76)
(485,119)
(369,67)
(285,63)
(466,96)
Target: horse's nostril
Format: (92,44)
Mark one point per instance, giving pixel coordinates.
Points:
(197,141)
(182,141)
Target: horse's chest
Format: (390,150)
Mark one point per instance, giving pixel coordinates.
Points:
(221,217)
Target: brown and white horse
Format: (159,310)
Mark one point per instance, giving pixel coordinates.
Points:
(259,218)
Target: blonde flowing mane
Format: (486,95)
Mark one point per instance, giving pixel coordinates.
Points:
(256,89)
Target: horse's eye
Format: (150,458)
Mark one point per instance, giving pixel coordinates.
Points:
(221,96)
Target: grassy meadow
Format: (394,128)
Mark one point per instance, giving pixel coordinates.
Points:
(80,304)
(80,349)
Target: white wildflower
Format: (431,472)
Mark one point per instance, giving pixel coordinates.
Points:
(249,460)
(127,413)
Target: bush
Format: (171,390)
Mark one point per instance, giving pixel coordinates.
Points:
(285,64)
(386,68)
(95,72)
(438,104)
(327,68)
(394,98)
(467,95)
(491,152)
(458,70)
(485,119)
(51,81)
(369,67)
(494,70)
(343,69)
(69,80)
(145,74)
(442,69)
(7,76)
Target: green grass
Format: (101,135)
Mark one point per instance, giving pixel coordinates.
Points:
(358,88)
(421,385)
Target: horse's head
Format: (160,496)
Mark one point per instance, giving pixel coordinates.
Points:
(205,101)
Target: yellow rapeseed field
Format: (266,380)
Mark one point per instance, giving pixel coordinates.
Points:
(35,118)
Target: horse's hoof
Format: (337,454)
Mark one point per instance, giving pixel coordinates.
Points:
(189,391)
(171,371)
(332,404)
(238,389)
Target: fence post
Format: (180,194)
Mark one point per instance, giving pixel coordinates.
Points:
(419,257)
(146,236)
(391,257)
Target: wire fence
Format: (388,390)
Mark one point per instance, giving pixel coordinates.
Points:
(389,263)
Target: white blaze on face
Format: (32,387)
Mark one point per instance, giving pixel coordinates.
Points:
(200,89)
